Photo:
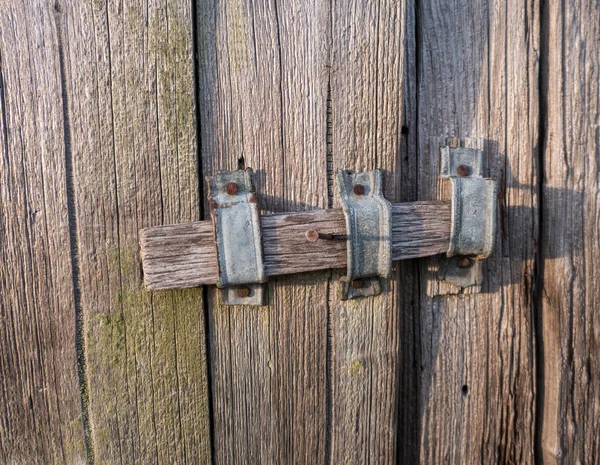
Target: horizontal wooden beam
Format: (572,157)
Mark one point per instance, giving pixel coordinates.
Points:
(183,255)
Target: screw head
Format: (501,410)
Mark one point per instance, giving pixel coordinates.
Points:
(231,188)
(463,262)
(243,291)
(357,283)
(359,189)
(463,170)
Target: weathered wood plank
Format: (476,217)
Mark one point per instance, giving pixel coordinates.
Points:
(367,97)
(263,90)
(183,255)
(130,88)
(478,76)
(568,324)
(40,405)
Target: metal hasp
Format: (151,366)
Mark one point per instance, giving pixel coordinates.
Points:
(369,227)
(236,226)
(473,217)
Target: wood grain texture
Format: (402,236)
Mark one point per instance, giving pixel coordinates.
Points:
(40,406)
(130,91)
(183,255)
(367,97)
(263,91)
(478,76)
(569,326)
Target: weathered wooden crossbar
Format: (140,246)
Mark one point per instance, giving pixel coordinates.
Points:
(184,255)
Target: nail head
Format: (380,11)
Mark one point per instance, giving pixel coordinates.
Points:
(231,188)
(463,262)
(359,189)
(357,283)
(463,170)
(243,291)
(312,235)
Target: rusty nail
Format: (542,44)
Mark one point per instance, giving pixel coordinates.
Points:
(463,262)
(314,236)
(463,170)
(231,188)
(357,283)
(359,189)
(243,291)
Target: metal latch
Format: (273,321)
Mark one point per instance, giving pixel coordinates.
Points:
(231,252)
(236,226)
(369,233)
(473,216)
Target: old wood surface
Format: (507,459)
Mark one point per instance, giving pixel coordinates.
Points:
(183,255)
(368,55)
(263,92)
(129,78)
(99,141)
(41,418)
(100,136)
(476,352)
(569,322)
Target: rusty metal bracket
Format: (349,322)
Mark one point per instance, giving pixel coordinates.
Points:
(473,220)
(369,227)
(236,226)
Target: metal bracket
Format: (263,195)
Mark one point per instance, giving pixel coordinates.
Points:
(369,227)
(473,220)
(236,226)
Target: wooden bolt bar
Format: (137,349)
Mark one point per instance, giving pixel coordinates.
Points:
(183,255)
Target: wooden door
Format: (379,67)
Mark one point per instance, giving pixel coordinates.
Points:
(113,112)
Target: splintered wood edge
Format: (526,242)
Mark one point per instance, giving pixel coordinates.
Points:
(183,255)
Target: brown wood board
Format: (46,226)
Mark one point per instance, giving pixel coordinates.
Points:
(184,255)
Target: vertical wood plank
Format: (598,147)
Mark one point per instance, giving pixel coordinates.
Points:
(569,324)
(263,91)
(40,406)
(130,81)
(369,63)
(478,74)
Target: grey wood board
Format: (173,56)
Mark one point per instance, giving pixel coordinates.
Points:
(263,91)
(369,42)
(569,298)
(40,404)
(130,87)
(99,141)
(478,82)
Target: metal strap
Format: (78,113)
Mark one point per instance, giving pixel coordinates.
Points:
(473,220)
(473,197)
(472,228)
(369,227)
(236,224)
